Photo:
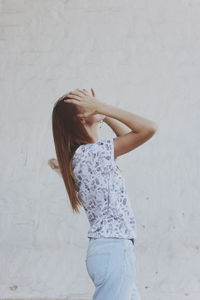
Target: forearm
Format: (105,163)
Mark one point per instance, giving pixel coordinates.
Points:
(135,122)
(118,127)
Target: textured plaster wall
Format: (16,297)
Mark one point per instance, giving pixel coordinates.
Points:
(142,56)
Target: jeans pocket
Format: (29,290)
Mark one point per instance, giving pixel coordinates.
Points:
(97,266)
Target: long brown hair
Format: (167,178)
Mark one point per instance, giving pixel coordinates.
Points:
(68,133)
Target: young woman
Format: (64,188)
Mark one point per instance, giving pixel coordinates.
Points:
(92,179)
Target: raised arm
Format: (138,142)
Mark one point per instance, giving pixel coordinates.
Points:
(118,127)
(141,129)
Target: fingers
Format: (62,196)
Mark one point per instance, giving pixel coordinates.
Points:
(53,163)
(71,98)
(77,93)
(81,115)
(74,96)
(93,93)
(81,92)
(86,92)
(72,101)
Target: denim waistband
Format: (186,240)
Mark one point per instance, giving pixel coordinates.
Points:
(112,239)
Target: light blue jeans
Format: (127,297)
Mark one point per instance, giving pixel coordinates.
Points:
(110,264)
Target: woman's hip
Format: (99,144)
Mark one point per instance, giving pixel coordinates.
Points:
(110,259)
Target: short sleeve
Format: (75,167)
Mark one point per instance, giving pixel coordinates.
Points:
(103,153)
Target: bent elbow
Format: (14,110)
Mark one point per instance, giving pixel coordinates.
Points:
(153,128)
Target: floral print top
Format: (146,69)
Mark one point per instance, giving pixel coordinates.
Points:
(102,190)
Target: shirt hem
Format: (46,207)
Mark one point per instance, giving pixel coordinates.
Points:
(113,236)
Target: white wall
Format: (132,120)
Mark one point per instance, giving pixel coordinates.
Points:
(142,56)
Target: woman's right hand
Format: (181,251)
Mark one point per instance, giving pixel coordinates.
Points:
(89,103)
(53,163)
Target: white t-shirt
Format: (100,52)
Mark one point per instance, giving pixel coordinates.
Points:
(103,192)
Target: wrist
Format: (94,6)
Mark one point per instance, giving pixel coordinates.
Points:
(102,108)
(105,119)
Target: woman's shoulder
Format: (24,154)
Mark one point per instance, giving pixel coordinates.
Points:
(100,153)
(100,145)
